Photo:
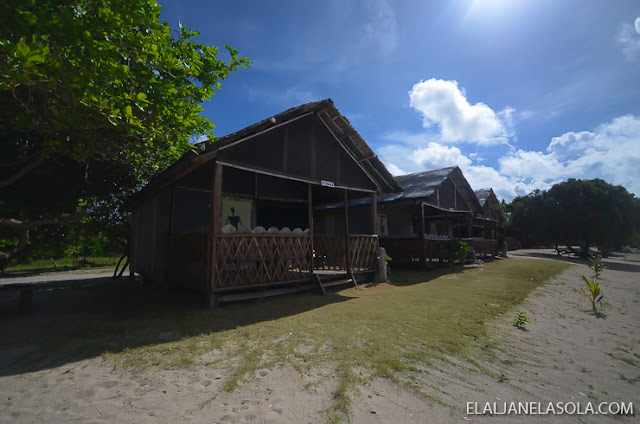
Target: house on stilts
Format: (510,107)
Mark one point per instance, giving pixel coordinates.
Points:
(492,214)
(417,225)
(236,218)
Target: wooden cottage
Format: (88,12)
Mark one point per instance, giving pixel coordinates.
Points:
(415,226)
(492,214)
(238,215)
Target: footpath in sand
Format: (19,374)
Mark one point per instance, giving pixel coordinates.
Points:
(566,355)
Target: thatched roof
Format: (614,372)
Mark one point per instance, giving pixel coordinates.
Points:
(337,124)
(487,195)
(422,185)
(483,195)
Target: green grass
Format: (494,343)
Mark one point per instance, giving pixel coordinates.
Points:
(64,264)
(385,329)
(388,330)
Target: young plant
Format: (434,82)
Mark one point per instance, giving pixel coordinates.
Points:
(520,320)
(597,268)
(593,287)
(592,293)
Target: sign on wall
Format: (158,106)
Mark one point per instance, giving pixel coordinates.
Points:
(236,211)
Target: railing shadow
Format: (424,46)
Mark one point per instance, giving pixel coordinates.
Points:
(72,324)
(412,274)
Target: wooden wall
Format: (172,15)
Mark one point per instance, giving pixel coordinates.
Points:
(150,236)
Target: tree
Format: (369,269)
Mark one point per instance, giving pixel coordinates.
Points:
(95,97)
(583,212)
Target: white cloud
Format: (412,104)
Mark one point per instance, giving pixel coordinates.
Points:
(380,29)
(395,170)
(610,152)
(629,39)
(406,137)
(445,104)
(439,156)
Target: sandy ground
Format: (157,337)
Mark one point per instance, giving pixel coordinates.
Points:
(566,355)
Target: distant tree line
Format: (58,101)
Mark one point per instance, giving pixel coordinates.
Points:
(584,213)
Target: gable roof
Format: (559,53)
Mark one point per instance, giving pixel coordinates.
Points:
(483,195)
(487,195)
(422,185)
(325,110)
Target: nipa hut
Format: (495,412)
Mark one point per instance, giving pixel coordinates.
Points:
(238,215)
(416,225)
(492,213)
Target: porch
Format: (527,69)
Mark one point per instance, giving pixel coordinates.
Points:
(432,250)
(259,260)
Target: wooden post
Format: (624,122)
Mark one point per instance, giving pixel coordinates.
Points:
(373,227)
(214,230)
(254,217)
(347,244)
(469,227)
(423,258)
(310,214)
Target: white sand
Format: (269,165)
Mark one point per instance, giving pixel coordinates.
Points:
(567,355)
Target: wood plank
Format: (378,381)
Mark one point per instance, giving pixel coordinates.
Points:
(347,246)
(373,225)
(320,284)
(214,228)
(263,293)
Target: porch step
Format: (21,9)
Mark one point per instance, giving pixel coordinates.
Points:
(337,283)
(234,297)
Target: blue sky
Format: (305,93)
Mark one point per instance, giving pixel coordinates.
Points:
(520,94)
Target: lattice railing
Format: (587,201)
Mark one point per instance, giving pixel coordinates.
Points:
(188,265)
(483,247)
(250,260)
(330,253)
(364,252)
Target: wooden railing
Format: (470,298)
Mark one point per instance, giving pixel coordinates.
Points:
(251,260)
(329,253)
(364,252)
(407,250)
(483,247)
(188,264)
(256,259)
(402,250)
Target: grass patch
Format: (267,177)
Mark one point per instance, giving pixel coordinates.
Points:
(389,331)
(64,264)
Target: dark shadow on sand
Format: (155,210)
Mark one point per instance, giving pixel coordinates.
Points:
(72,324)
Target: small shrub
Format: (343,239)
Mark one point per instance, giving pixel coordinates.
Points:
(520,320)
(458,250)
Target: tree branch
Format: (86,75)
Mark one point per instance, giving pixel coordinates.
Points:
(24,170)
(23,228)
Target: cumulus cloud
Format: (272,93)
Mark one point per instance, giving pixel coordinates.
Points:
(395,170)
(444,103)
(436,155)
(610,152)
(629,39)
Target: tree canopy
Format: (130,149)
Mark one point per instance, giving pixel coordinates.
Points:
(577,212)
(95,96)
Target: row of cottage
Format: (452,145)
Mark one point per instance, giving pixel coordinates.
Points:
(295,199)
